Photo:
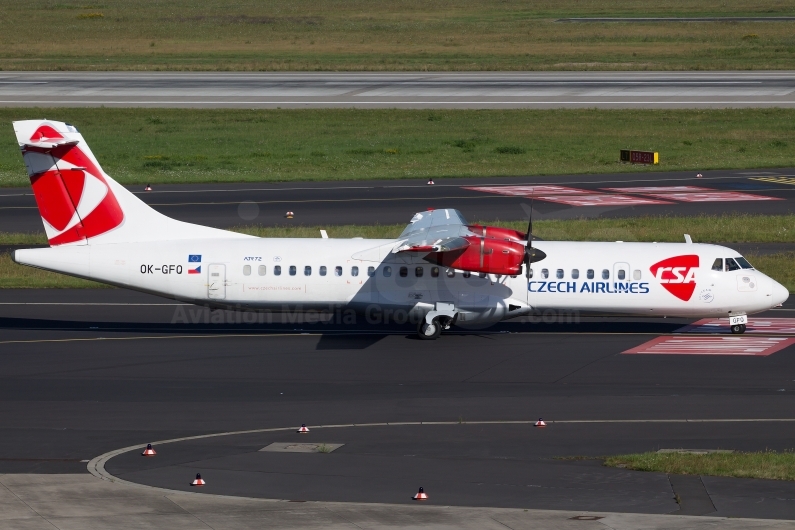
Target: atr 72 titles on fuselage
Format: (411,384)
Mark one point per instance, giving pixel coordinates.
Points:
(441,270)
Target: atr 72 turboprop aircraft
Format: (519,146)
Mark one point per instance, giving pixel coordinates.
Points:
(440,270)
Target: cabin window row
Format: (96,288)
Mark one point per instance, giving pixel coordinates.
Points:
(403,272)
(590,274)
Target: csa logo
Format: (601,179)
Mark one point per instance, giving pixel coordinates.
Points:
(677,275)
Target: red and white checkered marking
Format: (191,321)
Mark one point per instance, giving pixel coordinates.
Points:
(684,345)
(658,189)
(599,199)
(763,326)
(527,191)
(713,196)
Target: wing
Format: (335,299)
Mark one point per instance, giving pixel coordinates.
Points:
(435,230)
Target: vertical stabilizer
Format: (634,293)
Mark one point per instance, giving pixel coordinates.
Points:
(79,203)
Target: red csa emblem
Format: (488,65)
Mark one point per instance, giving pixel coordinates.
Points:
(677,275)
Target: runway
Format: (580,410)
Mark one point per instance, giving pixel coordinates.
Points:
(767,191)
(86,372)
(400,90)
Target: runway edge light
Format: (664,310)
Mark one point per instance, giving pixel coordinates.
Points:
(540,423)
(421,495)
(303,430)
(148,451)
(198,481)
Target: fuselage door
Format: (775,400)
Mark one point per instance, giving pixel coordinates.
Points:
(216,281)
(620,272)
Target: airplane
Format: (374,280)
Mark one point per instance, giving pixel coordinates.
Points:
(441,271)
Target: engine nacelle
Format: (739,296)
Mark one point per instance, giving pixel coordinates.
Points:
(498,233)
(484,254)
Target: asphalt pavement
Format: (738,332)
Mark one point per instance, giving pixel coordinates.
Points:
(400,89)
(85,372)
(327,204)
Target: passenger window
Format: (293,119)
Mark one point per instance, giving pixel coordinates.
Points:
(744,263)
(307,271)
(261,270)
(404,271)
(545,273)
(337,271)
(434,272)
(246,270)
(451,273)
(605,274)
(293,270)
(559,274)
(277,270)
(371,271)
(731,265)
(354,271)
(590,274)
(622,274)
(717,265)
(575,273)
(636,274)
(387,272)
(322,270)
(467,274)
(418,272)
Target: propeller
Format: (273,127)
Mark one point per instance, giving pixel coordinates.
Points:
(531,255)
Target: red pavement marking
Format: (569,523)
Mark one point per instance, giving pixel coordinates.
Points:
(764,326)
(658,189)
(527,191)
(599,199)
(713,196)
(694,345)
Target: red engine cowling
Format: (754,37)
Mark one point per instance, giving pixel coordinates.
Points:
(498,233)
(487,255)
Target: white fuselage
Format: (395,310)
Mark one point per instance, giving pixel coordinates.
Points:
(365,275)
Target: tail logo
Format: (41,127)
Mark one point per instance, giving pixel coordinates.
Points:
(73,196)
(677,275)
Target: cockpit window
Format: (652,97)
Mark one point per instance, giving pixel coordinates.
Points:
(744,263)
(718,264)
(731,265)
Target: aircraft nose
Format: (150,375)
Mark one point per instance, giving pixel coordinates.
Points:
(779,294)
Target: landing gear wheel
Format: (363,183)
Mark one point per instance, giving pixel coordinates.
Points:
(429,331)
(738,329)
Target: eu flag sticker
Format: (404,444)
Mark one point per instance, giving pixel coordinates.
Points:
(194,258)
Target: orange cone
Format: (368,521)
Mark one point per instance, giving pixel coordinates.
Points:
(540,423)
(199,481)
(303,430)
(148,451)
(289,215)
(421,495)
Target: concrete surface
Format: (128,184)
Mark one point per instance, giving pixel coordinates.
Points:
(400,90)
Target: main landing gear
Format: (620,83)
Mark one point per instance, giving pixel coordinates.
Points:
(738,329)
(441,318)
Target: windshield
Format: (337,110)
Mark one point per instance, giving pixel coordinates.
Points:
(744,263)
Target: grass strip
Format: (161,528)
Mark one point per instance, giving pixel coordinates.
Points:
(764,464)
(137,146)
(414,35)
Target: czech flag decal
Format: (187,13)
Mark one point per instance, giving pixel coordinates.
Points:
(197,270)
(195,258)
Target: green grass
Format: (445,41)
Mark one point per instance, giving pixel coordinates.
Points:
(766,464)
(396,35)
(704,229)
(205,145)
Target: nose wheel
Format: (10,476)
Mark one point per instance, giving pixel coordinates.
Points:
(738,329)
